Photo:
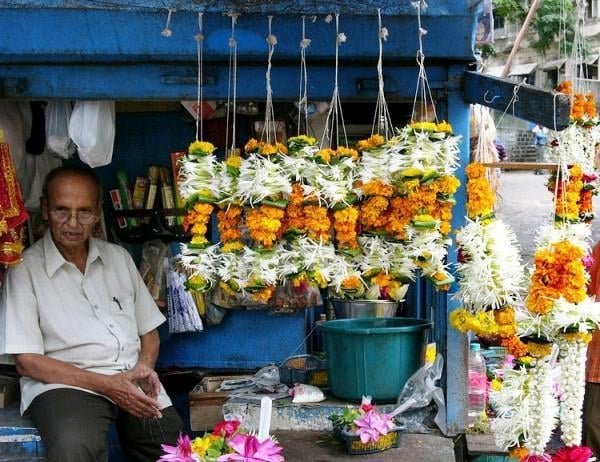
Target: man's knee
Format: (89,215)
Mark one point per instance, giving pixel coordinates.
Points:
(69,446)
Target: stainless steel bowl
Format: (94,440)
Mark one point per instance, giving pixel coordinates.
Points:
(353,309)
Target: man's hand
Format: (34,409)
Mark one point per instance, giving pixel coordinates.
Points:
(147,379)
(125,391)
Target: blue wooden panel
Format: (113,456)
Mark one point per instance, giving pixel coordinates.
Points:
(90,35)
(438,7)
(177,82)
(245,340)
(547,108)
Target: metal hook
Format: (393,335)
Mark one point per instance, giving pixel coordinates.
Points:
(494,98)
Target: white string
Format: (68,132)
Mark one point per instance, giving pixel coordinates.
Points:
(335,117)
(199,95)
(166,32)
(303,94)
(423,91)
(269,129)
(231,86)
(512,102)
(382,119)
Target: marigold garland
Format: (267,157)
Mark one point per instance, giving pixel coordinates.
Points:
(370,143)
(197,219)
(266,149)
(568,194)
(372,213)
(294,212)
(264,222)
(480,197)
(515,346)
(559,270)
(377,188)
(317,223)
(229,221)
(344,223)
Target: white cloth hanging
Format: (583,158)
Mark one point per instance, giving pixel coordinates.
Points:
(92,129)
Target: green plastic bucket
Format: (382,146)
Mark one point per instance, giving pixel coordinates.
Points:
(373,356)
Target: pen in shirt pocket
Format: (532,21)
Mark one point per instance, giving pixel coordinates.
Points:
(116,300)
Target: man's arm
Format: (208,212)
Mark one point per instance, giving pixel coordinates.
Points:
(121,388)
(150,344)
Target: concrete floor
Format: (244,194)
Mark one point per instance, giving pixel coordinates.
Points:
(304,446)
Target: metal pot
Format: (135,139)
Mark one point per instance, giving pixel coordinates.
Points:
(353,309)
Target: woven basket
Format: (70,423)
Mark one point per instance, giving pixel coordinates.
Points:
(355,446)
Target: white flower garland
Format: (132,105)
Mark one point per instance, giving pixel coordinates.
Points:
(198,174)
(200,263)
(577,144)
(493,274)
(572,390)
(261,178)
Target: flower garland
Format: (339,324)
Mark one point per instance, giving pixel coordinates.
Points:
(264,223)
(345,224)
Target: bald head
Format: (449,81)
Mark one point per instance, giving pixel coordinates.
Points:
(63,173)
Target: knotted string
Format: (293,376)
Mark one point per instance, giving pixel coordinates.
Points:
(303,94)
(382,122)
(199,94)
(269,133)
(232,86)
(166,32)
(335,116)
(423,91)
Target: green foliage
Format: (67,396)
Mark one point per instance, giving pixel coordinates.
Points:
(546,23)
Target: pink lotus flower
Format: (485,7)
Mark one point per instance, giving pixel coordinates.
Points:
(180,453)
(248,449)
(371,425)
(573,454)
(226,428)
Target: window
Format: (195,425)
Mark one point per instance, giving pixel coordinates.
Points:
(591,9)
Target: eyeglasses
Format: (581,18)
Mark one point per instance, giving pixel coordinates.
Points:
(84,217)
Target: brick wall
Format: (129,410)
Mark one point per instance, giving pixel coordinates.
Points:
(520,144)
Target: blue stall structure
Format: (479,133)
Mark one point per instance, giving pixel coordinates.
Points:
(113,49)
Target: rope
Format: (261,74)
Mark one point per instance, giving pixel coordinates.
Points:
(303,96)
(199,95)
(231,86)
(269,128)
(335,115)
(511,103)
(382,119)
(423,91)
(166,32)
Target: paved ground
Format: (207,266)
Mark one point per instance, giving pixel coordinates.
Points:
(525,204)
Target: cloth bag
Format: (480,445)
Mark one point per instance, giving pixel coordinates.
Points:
(92,129)
(58,116)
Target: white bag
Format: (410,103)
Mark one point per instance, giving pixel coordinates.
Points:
(58,115)
(92,129)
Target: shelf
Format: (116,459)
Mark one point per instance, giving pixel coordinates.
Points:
(154,228)
(522,165)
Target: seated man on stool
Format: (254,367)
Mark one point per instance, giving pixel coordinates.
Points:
(81,325)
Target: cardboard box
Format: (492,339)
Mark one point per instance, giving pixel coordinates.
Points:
(206,403)
(9,391)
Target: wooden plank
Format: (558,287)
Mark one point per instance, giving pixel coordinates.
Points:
(483,444)
(522,165)
(547,108)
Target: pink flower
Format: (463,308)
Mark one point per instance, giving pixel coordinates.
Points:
(371,425)
(226,428)
(365,404)
(589,177)
(588,262)
(248,449)
(573,454)
(180,453)
(537,458)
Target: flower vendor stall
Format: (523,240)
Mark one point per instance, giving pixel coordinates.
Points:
(276,225)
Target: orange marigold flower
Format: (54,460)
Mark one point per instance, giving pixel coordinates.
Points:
(229,222)
(252,145)
(318,223)
(514,346)
(373,212)
(518,452)
(344,223)
(263,295)
(264,222)
(351,282)
(377,188)
(347,152)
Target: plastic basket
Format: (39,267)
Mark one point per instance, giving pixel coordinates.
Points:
(306,369)
(355,446)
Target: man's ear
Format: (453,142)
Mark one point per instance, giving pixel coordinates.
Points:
(99,210)
(44,208)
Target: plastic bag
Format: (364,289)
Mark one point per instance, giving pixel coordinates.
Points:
(183,314)
(152,269)
(303,393)
(420,389)
(92,129)
(58,116)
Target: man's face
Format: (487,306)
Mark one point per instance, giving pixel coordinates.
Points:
(74,196)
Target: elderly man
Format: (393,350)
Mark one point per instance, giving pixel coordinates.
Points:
(81,325)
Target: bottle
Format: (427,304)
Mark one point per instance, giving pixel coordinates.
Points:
(477,384)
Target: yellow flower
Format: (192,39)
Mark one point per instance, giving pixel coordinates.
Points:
(496,385)
(444,127)
(518,452)
(233,161)
(424,126)
(460,320)
(539,350)
(351,282)
(201,148)
(201,445)
(325,154)
(232,247)
(252,145)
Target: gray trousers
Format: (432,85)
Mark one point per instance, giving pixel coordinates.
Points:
(74,426)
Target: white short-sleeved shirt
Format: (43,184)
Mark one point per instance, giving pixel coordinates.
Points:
(91,320)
